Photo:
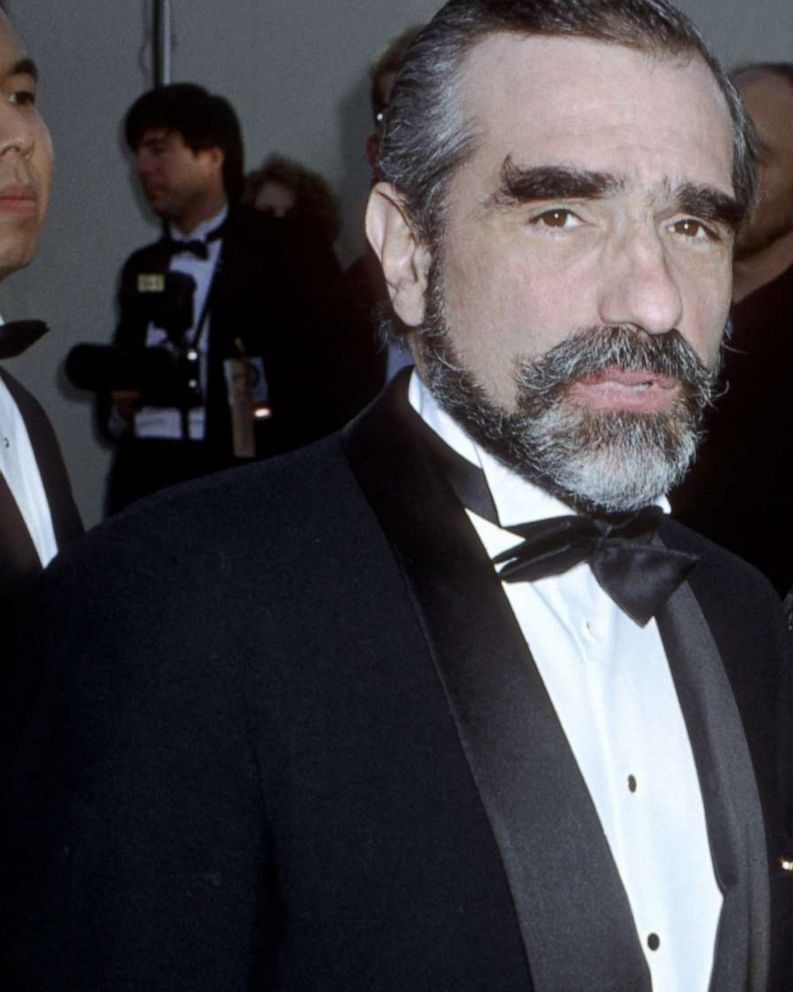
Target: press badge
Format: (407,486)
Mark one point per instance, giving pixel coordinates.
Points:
(248,393)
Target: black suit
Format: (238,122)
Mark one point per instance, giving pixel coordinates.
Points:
(737,493)
(309,750)
(18,557)
(258,300)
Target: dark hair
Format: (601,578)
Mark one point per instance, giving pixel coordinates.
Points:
(389,62)
(426,135)
(314,200)
(751,70)
(201,118)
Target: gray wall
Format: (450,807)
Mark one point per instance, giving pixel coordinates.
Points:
(296,72)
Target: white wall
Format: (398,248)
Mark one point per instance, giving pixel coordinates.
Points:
(296,72)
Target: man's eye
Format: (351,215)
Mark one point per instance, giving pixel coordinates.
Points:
(23,97)
(694,229)
(558,219)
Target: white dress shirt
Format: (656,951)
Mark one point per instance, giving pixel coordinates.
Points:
(21,471)
(610,684)
(166,422)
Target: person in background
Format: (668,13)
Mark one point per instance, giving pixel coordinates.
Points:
(246,388)
(363,293)
(304,201)
(382,76)
(288,189)
(37,510)
(738,493)
(446,701)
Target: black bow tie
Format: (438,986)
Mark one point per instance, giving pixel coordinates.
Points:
(639,576)
(196,246)
(18,335)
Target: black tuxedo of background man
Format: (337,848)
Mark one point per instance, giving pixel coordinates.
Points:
(25,172)
(18,557)
(317,754)
(738,493)
(259,301)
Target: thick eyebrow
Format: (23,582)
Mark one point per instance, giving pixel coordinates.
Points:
(710,204)
(560,182)
(551,182)
(24,67)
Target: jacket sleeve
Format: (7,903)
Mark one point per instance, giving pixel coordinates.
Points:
(134,852)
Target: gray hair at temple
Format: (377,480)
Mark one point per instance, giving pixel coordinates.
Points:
(426,134)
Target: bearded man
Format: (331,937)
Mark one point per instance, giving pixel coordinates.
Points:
(446,701)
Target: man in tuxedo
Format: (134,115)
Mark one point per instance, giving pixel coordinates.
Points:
(736,494)
(446,701)
(240,315)
(37,510)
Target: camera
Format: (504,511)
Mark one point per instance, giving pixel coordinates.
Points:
(165,375)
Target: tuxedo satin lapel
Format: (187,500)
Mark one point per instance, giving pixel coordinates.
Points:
(19,559)
(234,275)
(732,804)
(574,917)
(219,346)
(66,520)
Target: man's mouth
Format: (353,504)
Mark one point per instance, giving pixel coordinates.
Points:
(638,390)
(19,198)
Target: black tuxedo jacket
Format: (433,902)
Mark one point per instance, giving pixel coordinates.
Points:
(278,730)
(736,493)
(18,556)
(264,304)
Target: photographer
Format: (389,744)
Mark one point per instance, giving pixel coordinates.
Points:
(213,296)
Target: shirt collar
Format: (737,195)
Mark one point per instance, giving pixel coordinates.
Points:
(200,232)
(517,500)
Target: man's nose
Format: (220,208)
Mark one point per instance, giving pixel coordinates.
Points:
(17,136)
(638,286)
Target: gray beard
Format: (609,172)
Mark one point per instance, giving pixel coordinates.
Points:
(596,461)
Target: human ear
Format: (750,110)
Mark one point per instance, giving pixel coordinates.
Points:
(403,255)
(213,157)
